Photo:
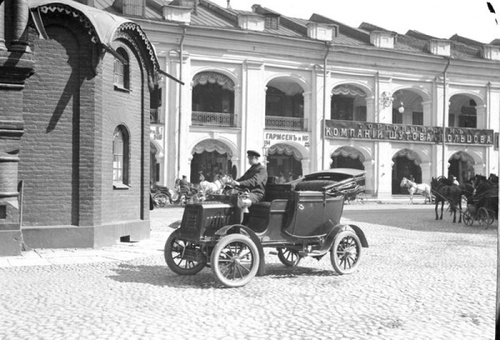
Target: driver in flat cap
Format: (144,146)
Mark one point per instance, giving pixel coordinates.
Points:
(254,180)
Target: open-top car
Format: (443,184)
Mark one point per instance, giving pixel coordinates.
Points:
(299,219)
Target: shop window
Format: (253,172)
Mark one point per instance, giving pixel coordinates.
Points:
(342,107)
(418,118)
(120,158)
(122,71)
(397,117)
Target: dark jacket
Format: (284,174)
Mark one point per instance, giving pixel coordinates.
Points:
(254,179)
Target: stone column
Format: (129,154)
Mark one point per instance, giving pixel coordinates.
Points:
(20,14)
(306,166)
(481,122)
(370,176)
(2,26)
(15,68)
(427,108)
(307,109)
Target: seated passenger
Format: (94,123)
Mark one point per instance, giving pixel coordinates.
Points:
(254,180)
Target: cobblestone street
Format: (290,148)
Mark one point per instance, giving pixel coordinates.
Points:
(419,279)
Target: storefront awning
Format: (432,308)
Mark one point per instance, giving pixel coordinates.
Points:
(410,154)
(348,90)
(283,149)
(211,145)
(204,78)
(462,156)
(347,151)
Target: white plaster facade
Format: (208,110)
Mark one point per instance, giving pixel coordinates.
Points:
(254,59)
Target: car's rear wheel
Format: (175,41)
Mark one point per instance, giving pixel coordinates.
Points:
(289,257)
(235,260)
(345,252)
(183,257)
(468,218)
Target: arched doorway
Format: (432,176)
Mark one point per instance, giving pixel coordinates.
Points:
(406,164)
(211,157)
(461,166)
(348,157)
(283,159)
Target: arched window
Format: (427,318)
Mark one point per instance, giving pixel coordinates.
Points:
(348,103)
(122,71)
(120,157)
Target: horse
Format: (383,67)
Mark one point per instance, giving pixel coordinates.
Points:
(414,188)
(215,187)
(451,193)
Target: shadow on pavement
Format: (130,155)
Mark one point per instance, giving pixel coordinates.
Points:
(279,271)
(162,276)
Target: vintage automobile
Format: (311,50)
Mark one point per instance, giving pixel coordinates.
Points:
(299,219)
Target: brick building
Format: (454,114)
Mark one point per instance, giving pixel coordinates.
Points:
(74,126)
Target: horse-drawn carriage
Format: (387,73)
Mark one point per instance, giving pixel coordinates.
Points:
(298,219)
(483,204)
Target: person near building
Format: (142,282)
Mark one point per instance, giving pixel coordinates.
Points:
(184,185)
(253,181)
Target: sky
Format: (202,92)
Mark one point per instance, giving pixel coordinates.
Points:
(439,18)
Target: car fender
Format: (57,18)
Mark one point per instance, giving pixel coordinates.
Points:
(342,227)
(238,228)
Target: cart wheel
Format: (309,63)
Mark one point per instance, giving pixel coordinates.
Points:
(361,197)
(289,257)
(235,260)
(345,252)
(468,218)
(484,217)
(161,200)
(175,253)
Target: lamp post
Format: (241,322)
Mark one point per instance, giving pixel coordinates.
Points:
(444,116)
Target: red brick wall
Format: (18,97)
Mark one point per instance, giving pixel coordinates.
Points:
(66,153)
(49,152)
(122,108)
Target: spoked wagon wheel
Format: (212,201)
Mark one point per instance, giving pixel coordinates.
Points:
(161,200)
(484,217)
(345,252)
(289,257)
(235,260)
(468,218)
(183,257)
(361,197)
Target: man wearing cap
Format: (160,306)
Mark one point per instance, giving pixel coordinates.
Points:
(254,180)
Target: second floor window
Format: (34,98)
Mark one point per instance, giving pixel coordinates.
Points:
(121,71)
(213,92)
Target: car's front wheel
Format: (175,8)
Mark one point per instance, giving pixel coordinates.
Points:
(183,257)
(235,260)
(345,252)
